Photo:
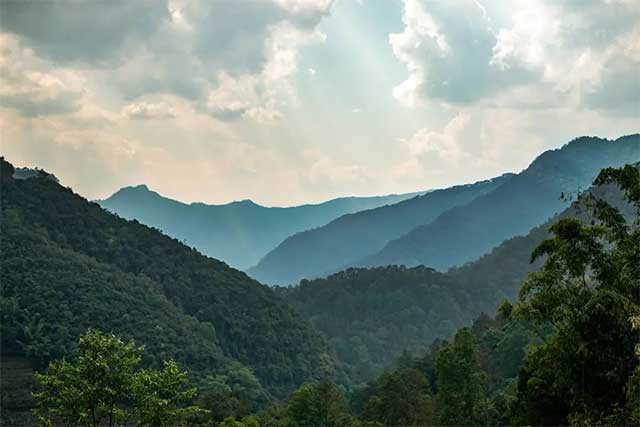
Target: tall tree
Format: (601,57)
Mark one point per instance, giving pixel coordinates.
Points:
(401,398)
(588,289)
(461,399)
(319,405)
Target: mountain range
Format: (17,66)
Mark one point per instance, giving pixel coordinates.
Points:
(459,233)
(349,238)
(372,315)
(239,233)
(69,264)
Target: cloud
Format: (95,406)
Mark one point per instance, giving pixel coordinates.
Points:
(261,96)
(79,30)
(466,52)
(445,144)
(32,86)
(149,110)
(447,48)
(187,48)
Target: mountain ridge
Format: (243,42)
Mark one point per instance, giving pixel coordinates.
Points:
(371,315)
(527,200)
(330,248)
(240,232)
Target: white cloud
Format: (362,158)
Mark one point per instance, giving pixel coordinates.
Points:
(466,52)
(33,86)
(188,48)
(445,144)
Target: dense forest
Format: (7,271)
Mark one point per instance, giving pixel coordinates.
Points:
(68,265)
(348,239)
(381,346)
(370,316)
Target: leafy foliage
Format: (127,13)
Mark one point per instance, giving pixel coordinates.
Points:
(102,383)
(370,316)
(69,265)
(589,289)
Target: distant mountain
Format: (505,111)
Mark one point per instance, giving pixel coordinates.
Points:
(370,316)
(351,237)
(238,233)
(467,232)
(68,265)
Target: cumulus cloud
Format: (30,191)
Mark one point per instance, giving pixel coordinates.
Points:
(472,51)
(447,48)
(32,86)
(445,144)
(188,48)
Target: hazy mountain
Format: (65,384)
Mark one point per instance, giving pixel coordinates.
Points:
(466,232)
(351,237)
(68,265)
(370,316)
(239,233)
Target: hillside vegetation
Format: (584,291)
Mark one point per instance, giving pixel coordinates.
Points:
(69,265)
(372,315)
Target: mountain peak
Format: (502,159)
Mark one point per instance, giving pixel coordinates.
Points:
(140,187)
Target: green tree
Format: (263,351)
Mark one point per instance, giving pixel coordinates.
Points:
(235,394)
(302,409)
(158,395)
(588,289)
(461,399)
(321,405)
(100,385)
(401,398)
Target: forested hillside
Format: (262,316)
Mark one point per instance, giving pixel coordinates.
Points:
(567,354)
(348,239)
(528,199)
(69,265)
(239,233)
(372,315)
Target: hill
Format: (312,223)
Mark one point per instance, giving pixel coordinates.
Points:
(467,232)
(239,233)
(370,316)
(68,265)
(351,237)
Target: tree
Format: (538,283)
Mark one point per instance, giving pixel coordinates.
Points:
(158,395)
(236,393)
(99,385)
(320,405)
(460,382)
(401,398)
(302,408)
(588,289)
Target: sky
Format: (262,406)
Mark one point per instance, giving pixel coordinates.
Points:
(298,101)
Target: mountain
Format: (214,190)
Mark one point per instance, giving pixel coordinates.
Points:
(351,237)
(528,199)
(238,233)
(371,315)
(68,265)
